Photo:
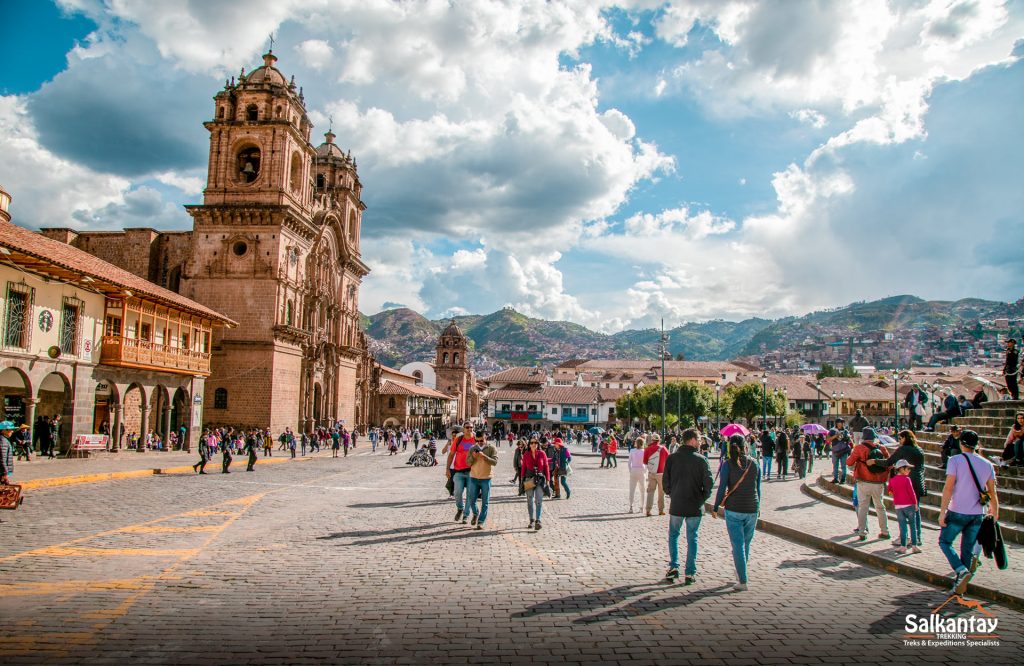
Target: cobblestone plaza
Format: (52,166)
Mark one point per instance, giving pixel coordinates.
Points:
(357,560)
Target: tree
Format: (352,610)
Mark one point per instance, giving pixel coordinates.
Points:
(745,401)
(794,419)
(689,399)
(829,370)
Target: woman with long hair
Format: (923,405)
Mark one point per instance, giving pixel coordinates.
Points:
(536,475)
(739,493)
(1013,450)
(782,455)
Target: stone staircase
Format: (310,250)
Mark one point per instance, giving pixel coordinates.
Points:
(991,423)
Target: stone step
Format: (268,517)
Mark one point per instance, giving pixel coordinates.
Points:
(1006,477)
(1008,496)
(1009,519)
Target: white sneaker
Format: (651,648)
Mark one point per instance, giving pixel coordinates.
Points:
(739,587)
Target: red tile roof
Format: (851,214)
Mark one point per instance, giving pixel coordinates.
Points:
(389,387)
(100,273)
(519,375)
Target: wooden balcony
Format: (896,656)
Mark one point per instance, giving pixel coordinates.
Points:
(133,353)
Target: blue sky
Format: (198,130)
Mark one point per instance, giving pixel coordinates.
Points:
(609,163)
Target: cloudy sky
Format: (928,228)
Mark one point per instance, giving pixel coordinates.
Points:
(609,163)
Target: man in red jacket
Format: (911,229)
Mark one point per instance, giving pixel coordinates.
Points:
(655,456)
(869,461)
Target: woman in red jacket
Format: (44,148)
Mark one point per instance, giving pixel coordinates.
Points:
(535,471)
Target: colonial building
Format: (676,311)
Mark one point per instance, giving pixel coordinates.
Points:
(96,345)
(275,246)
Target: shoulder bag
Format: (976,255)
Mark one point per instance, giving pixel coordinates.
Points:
(983,495)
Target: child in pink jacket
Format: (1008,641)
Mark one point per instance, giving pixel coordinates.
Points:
(905,500)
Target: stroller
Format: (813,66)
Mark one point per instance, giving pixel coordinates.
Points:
(421,458)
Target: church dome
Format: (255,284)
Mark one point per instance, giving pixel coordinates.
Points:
(267,74)
(453,331)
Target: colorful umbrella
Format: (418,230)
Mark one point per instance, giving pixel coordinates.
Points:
(814,429)
(734,429)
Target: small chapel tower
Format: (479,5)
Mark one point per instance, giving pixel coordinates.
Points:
(452,368)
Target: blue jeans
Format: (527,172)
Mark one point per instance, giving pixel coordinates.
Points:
(481,488)
(839,465)
(909,518)
(534,498)
(967,527)
(461,480)
(766,466)
(741,533)
(565,485)
(675,526)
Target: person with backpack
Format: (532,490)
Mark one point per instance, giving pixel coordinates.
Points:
(739,493)
(655,456)
(969,493)
(870,463)
(561,469)
(840,445)
(688,481)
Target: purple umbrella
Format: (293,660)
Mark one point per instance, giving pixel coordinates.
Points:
(814,429)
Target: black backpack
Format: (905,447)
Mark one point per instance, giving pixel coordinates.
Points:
(877,461)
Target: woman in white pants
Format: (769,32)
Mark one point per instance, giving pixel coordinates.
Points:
(637,470)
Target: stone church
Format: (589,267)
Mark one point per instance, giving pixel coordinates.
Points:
(274,246)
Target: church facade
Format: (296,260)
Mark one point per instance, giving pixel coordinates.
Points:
(275,247)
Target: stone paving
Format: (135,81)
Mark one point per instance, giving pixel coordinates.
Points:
(358,561)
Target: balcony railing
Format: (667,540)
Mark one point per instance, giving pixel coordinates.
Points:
(518,416)
(575,418)
(131,352)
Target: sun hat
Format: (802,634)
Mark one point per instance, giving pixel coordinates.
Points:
(7,425)
(902,463)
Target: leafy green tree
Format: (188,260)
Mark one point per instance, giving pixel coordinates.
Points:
(829,370)
(689,399)
(745,401)
(794,419)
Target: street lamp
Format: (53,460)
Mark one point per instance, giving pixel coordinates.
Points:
(718,395)
(664,350)
(764,399)
(842,396)
(836,403)
(896,397)
(820,401)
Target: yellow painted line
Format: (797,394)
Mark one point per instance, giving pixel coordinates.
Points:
(59,481)
(82,551)
(62,587)
(142,529)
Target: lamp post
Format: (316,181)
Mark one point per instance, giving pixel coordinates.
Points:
(785,404)
(842,396)
(837,404)
(821,412)
(764,399)
(718,395)
(664,343)
(896,397)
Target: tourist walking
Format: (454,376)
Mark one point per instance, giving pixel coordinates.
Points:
(908,513)
(687,480)
(739,495)
(841,444)
(969,492)
(800,453)
(782,455)
(517,461)
(535,476)
(561,469)
(870,463)
(637,470)
(613,451)
(225,461)
(250,448)
(204,453)
(481,469)
(1011,369)
(655,457)
(767,454)
(458,467)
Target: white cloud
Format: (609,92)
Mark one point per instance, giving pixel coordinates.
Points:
(315,53)
(190,185)
(810,117)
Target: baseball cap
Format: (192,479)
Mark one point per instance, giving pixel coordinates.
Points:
(969,438)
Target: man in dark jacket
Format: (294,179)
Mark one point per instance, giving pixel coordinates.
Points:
(858,422)
(1011,367)
(687,480)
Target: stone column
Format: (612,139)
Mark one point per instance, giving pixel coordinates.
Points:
(143,427)
(115,426)
(30,416)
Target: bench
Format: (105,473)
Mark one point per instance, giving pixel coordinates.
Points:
(83,444)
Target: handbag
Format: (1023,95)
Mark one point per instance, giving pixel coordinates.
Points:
(529,484)
(10,496)
(983,495)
